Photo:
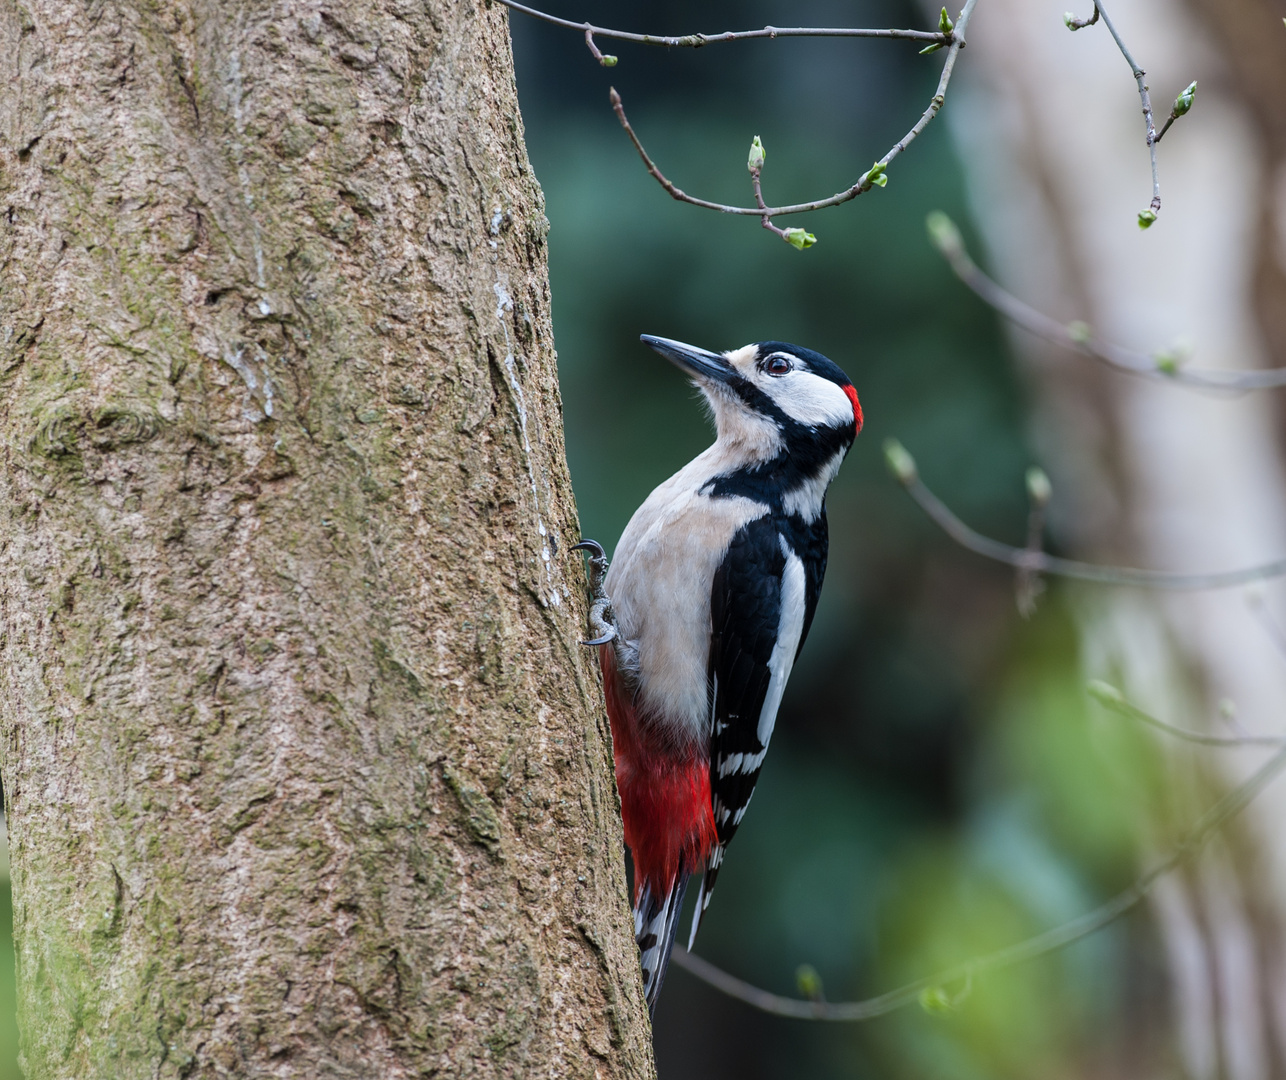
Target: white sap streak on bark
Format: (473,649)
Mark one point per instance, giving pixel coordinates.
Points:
(504,308)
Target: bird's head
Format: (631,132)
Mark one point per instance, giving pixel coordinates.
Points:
(771,397)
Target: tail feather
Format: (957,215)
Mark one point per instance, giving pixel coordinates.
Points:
(703,894)
(656,920)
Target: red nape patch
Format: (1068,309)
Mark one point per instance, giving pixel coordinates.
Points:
(665,799)
(857,406)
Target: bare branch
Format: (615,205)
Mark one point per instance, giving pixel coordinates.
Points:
(1078,337)
(1040,945)
(902,465)
(865,182)
(1111,698)
(695,41)
(1146,217)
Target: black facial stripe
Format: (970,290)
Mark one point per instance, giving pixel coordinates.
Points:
(771,481)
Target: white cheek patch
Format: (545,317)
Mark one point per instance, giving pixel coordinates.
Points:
(811,400)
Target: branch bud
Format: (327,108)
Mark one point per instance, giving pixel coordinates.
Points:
(900,462)
(756,159)
(945,26)
(1039,489)
(875,175)
(809,982)
(1104,693)
(936,1001)
(1184,101)
(799,239)
(608,60)
(943,233)
(1079,332)
(1167,363)
(1146,218)
(1227,708)
(1069,17)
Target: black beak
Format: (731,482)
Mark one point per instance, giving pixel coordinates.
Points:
(688,358)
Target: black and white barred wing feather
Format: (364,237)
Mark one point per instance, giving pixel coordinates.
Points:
(762,603)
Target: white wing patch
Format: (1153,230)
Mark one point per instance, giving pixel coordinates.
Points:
(790,629)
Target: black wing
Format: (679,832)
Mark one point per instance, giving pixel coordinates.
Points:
(746,622)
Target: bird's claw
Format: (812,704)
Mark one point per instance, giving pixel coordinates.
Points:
(600,609)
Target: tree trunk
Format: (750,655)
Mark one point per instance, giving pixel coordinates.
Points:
(1153,474)
(305,770)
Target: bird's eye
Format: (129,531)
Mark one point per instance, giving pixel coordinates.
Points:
(777,365)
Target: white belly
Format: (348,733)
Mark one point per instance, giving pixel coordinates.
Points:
(659,583)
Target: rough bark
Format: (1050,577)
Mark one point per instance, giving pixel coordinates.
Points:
(1151,474)
(305,771)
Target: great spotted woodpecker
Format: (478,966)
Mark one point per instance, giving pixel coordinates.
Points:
(706,605)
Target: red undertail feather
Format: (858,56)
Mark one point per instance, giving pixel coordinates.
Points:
(665,800)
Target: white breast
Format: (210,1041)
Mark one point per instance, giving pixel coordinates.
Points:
(659,583)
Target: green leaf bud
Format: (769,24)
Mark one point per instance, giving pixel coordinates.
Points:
(1167,363)
(875,175)
(1079,332)
(1146,218)
(935,1001)
(900,462)
(945,25)
(809,982)
(1184,101)
(943,233)
(1039,489)
(756,159)
(1104,693)
(1069,18)
(931,48)
(608,60)
(799,239)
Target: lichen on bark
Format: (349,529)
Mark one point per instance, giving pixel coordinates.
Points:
(305,770)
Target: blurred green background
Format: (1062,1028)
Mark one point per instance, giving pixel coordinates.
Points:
(938,784)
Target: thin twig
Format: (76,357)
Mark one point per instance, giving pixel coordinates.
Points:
(595,52)
(1111,698)
(1040,945)
(1078,337)
(1074,23)
(864,183)
(695,41)
(766,220)
(1182,105)
(903,467)
(1267,623)
(1139,76)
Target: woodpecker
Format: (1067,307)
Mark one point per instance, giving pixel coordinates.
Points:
(703,611)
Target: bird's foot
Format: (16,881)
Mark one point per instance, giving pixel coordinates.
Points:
(600,606)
